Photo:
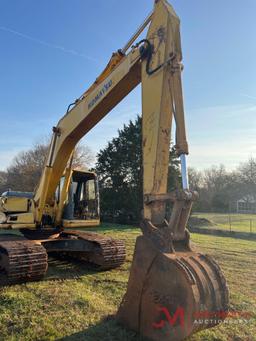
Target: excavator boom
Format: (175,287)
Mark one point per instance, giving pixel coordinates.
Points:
(151,62)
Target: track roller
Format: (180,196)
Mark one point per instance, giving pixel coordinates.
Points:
(104,252)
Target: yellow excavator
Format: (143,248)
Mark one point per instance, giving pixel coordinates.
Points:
(170,284)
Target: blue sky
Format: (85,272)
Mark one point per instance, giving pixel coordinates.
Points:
(52,50)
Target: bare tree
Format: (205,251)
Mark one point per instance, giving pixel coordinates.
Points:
(25,170)
(195,179)
(83,157)
(3,180)
(247,177)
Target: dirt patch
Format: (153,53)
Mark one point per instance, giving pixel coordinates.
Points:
(199,222)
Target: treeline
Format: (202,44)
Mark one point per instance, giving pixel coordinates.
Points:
(25,170)
(220,189)
(119,169)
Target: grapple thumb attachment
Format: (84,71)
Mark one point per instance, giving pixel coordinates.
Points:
(171,293)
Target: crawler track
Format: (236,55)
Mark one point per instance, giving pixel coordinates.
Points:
(21,260)
(106,253)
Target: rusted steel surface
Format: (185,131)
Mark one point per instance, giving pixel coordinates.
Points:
(40,234)
(167,291)
(21,260)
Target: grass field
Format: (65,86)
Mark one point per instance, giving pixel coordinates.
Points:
(72,302)
(233,221)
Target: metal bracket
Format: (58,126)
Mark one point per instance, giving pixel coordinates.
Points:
(179,195)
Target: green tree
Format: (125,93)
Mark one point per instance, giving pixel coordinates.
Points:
(119,168)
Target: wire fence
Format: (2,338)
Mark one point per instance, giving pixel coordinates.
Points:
(228,221)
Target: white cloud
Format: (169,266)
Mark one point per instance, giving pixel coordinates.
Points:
(249,96)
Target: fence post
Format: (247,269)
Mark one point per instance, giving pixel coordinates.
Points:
(229,220)
(250,225)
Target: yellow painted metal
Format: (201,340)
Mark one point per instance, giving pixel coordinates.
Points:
(64,193)
(161,100)
(13,226)
(14,204)
(40,204)
(21,218)
(114,61)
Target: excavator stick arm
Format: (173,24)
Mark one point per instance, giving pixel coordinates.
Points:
(166,274)
(162,100)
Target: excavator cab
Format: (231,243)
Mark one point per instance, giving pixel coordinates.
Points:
(82,204)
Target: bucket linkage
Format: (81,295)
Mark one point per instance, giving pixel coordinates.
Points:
(172,291)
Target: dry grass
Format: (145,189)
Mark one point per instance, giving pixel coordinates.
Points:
(72,302)
(235,222)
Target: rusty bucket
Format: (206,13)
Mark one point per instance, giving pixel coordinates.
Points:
(171,295)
